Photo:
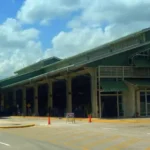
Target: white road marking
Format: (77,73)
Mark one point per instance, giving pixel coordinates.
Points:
(60,124)
(66,125)
(110,128)
(43,124)
(148,133)
(4,144)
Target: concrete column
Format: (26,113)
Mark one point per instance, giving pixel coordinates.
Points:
(69,94)
(36,100)
(93,73)
(99,94)
(129,101)
(24,101)
(14,97)
(50,94)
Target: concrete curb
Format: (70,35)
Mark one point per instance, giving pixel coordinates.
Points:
(121,121)
(20,126)
(94,120)
(34,117)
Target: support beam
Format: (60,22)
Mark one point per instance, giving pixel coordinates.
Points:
(36,113)
(61,77)
(50,94)
(24,101)
(93,73)
(69,94)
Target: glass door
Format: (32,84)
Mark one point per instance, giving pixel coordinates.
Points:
(148,103)
(143,106)
(121,112)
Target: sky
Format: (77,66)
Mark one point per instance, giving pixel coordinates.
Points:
(31,30)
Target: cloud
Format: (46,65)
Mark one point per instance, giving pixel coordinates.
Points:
(18,47)
(12,35)
(114,11)
(45,10)
(93,23)
(70,43)
(92,11)
(100,22)
(77,40)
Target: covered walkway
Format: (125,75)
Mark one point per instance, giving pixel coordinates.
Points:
(98,82)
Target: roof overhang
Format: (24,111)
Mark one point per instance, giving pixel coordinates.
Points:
(113,86)
(47,76)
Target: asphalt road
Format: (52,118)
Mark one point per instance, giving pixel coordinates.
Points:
(79,136)
(15,142)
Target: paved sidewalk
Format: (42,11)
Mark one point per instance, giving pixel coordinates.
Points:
(8,123)
(96,120)
(27,121)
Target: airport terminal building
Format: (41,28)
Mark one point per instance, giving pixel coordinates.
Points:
(109,81)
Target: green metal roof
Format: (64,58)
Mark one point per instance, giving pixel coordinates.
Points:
(18,78)
(103,48)
(38,65)
(77,61)
(33,76)
(113,86)
(142,62)
(139,82)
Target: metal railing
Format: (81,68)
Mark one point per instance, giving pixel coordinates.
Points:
(124,72)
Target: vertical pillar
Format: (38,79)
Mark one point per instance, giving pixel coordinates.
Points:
(50,94)
(36,100)
(146,102)
(24,101)
(69,94)
(129,101)
(99,94)
(14,98)
(93,73)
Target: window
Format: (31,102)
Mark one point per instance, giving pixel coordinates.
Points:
(148,97)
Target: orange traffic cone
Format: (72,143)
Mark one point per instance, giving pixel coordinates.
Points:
(49,121)
(90,120)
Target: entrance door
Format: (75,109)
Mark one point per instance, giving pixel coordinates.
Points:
(120,107)
(145,103)
(148,103)
(109,106)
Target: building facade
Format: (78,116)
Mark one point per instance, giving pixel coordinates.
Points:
(109,81)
